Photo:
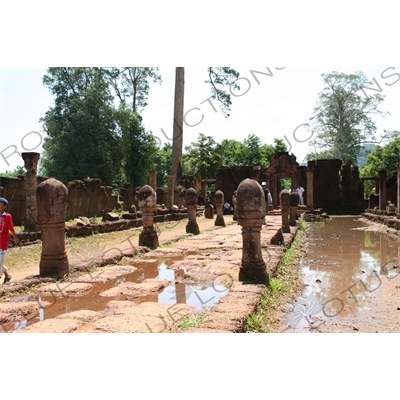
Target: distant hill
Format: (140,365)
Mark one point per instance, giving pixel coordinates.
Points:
(363,154)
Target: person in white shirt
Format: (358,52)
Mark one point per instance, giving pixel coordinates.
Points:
(300,191)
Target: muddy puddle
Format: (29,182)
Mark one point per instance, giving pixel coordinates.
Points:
(345,264)
(200,295)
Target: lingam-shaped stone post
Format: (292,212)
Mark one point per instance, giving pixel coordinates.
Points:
(251,212)
(31,162)
(219,203)
(285,207)
(192,201)
(52,202)
(234,205)
(147,199)
(294,205)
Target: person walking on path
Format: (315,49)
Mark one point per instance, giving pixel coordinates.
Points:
(6,226)
(300,191)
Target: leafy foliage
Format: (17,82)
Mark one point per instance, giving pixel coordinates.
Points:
(382,158)
(343,118)
(218,78)
(250,152)
(138,147)
(82,140)
(202,158)
(131,84)
(19,170)
(163,161)
(88,136)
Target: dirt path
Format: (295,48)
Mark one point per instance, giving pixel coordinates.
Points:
(204,266)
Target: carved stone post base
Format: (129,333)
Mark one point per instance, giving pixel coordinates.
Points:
(253,274)
(149,238)
(193,227)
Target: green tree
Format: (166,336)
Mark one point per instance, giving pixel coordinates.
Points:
(233,152)
(163,160)
(250,152)
(343,117)
(131,84)
(138,147)
(82,138)
(268,150)
(202,158)
(19,170)
(382,158)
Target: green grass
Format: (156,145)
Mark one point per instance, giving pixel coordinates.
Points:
(190,321)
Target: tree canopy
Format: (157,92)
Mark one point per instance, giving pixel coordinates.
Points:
(89,133)
(204,157)
(382,158)
(249,152)
(343,117)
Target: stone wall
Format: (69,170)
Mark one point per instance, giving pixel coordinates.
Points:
(338,188)
(86,197)
(229,178)
(14,190)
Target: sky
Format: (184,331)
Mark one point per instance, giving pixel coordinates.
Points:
(274,102)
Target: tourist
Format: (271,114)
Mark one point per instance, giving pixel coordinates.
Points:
(300,191)
(267,193)
(6,226)
(268,199)
(227,208)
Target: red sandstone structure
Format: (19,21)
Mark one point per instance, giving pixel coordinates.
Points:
(251,205)
(52,201)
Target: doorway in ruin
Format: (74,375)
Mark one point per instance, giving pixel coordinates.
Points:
(284,173)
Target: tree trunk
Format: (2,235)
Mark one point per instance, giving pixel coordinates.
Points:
(178,123)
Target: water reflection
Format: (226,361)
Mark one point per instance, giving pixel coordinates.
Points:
(344,265)
(200,296)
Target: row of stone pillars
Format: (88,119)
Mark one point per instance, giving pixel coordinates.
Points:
(52,200)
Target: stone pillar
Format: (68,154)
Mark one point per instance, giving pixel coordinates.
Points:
(294,205)
(148,205)
(275,192)
(192,201)
(234,201)
(219,203)
(382,190)
(255,173)
(31,162)
(209,211)
(250,216)
(171,188)
(310,190)
(293,181)
(52,202)
(285,208)
(204,191)
(398,188)
(153,180)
